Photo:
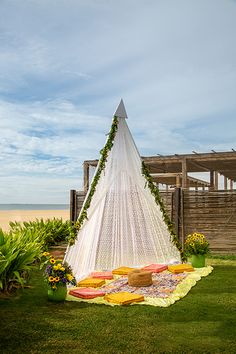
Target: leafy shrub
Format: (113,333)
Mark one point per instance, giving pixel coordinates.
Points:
(18,251)
(51,231)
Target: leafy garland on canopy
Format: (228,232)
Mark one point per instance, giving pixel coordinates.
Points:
(155,192)
(101,165)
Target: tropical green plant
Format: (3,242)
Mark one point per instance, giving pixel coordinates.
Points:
(196,244)
(18,252)
(51,231)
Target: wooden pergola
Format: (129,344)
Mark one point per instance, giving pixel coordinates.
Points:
(172,170)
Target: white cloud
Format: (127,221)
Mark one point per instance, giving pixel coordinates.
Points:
(64,66)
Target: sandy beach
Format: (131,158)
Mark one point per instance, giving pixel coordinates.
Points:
(30,215)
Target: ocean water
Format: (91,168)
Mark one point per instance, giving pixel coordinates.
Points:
(34,206)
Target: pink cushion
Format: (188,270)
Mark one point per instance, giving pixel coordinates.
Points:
(156,268)
(102,275)
(86,293)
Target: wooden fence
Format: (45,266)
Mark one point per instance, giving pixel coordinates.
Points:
(212,213)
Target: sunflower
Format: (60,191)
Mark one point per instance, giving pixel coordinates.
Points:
(52,261)
(51,279)
(56,279)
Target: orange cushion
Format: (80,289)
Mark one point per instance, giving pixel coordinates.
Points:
(102,275)
(123,298)
(180,268)
(86,293)
(122,270)
(156,268)
(91,282)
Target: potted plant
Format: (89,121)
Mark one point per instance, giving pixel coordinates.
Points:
(196,247)
(57,275)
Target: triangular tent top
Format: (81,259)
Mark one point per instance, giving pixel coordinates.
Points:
(122,221)
(120,111)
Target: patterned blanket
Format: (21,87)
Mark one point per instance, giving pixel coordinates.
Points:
(167,288)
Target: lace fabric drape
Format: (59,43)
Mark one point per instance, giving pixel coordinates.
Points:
(125,225)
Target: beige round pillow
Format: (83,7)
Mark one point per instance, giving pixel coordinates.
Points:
(139,278)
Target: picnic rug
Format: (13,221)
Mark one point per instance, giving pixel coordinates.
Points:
(167,288)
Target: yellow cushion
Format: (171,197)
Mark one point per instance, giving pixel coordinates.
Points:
(123,298)
(91,282)
(180,268)
(122,270)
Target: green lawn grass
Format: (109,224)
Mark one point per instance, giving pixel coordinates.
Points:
(202,322)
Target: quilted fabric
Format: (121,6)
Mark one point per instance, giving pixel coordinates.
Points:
(91,282)
(122,270)
(102,275)
(86,293)
(124,298)
(180,268)
(156,268)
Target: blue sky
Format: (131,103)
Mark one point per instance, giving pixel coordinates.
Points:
(64,65)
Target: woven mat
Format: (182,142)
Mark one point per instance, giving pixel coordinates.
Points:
(167,288)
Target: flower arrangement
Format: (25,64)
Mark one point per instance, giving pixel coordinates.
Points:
(196,244)
(56,272)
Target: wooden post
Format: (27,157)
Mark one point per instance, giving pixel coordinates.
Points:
(86,177)
(182,218)
(225,183)
(177,182)
(216,181)
(211,188)
(177,210)
(184,173)
(231,184)
(72,205)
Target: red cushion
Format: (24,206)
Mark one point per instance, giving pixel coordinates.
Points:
(156,268)
(86,293)
(102,275)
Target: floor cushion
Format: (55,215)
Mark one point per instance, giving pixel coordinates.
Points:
(180,268)
(91,282)
(123,298)
(86,293)
(155,268)
(102,275)
(122,270)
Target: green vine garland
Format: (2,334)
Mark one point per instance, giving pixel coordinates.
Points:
(155,192)
(101,165)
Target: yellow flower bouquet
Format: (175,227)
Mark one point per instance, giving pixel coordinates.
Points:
(56,272)
(196,244)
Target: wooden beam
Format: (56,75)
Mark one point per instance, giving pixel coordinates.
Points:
(216,181)
(72,205)
(225,183)
(177,181)
(231,184)
(211,188)
(184,173)
(86,176)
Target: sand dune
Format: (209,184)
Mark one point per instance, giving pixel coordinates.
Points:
(30,215)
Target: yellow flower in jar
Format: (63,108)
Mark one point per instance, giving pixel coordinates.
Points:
(56,279)
(51,279)
(69,277)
